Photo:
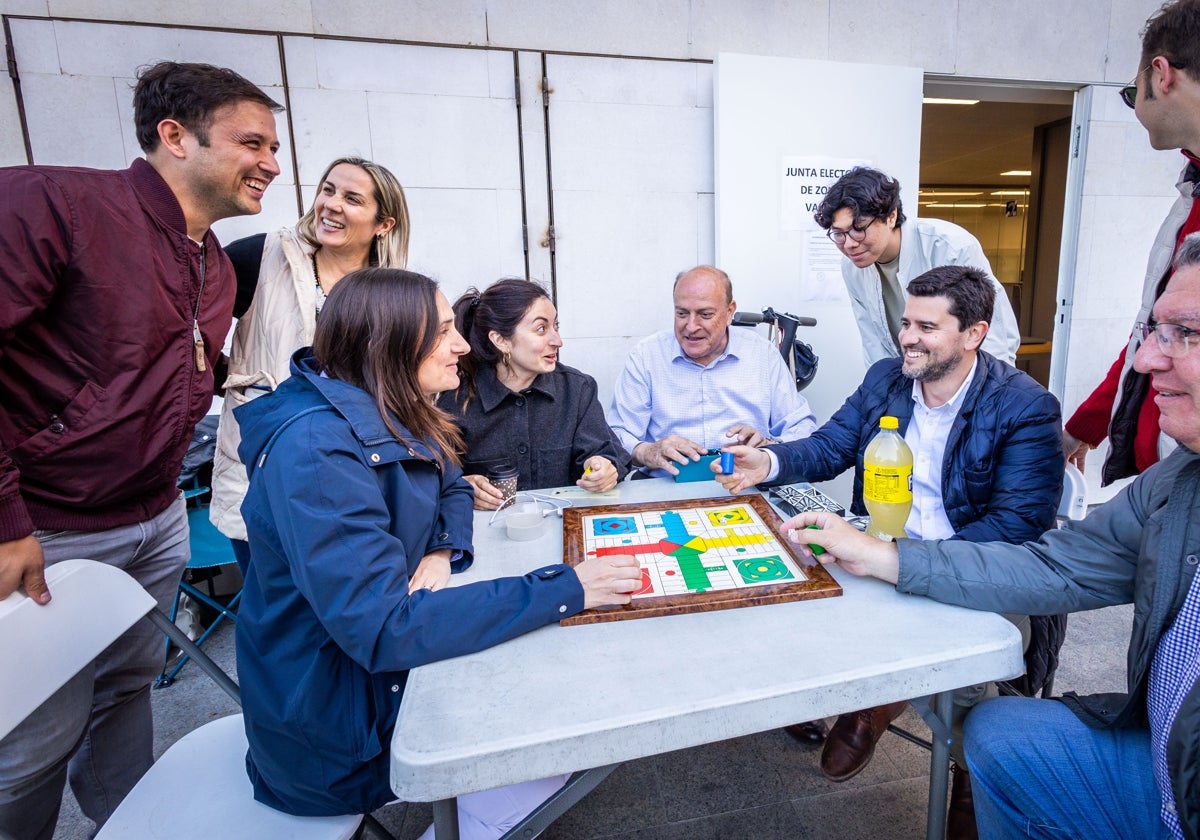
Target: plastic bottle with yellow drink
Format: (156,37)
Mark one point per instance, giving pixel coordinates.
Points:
(887,481)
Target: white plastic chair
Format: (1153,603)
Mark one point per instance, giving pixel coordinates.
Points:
(1074,497)
(199,788)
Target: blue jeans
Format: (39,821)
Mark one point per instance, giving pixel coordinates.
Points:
(97,728)
(1037,771)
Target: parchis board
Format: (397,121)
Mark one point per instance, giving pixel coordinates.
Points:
(696,555)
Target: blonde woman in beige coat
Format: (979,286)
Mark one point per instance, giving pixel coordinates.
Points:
(358,219)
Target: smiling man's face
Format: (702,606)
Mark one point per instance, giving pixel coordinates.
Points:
(1176,381)
(703,313)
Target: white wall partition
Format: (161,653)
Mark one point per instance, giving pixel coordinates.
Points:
(775,119)
(631,157)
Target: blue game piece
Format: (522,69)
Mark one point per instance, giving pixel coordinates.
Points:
(727,463)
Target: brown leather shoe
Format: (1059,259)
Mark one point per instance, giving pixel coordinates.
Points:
(811,732)
(960,822)
(851,742)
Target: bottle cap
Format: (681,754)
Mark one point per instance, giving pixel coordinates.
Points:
(888,422)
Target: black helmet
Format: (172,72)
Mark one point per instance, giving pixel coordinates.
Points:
(805,362)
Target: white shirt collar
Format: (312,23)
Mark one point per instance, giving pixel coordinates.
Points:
(955,402)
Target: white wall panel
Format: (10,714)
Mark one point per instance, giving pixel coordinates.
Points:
(631,150)
(465,237)
(444,121)
(797,28)
(395,68)
(329,124)
(624,27)
(94,138)
(284,15)
(631,147)
(447,142)
(1055,43)
(603,358)
(36,46)
(93,49)
(615,80)
(437,21)
(618,254)
(894,32)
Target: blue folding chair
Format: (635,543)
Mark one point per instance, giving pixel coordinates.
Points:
(210,549)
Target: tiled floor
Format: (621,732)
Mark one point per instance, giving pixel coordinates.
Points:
(763,786)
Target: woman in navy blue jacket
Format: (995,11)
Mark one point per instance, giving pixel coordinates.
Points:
(357,513)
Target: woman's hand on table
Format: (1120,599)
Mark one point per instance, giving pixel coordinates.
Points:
(750,467)
(844,544)
(609,580)
(599,475)
(433,572)
(487,495)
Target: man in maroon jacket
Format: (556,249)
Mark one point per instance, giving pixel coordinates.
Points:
(115,298)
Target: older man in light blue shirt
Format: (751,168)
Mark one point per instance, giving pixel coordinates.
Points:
(703,385)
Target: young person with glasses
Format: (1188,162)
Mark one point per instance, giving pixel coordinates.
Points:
(864,217)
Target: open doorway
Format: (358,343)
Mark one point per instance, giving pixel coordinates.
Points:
(998,167)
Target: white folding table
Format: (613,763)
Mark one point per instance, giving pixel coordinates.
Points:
(587,698)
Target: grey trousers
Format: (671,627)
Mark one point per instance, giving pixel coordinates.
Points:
(97,728)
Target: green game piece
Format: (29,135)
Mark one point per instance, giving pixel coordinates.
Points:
(816,549)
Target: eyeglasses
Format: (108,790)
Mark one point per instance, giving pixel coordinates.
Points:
(1128,93)
(855,234)
(1174,340)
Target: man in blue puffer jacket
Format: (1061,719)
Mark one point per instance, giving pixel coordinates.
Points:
(985,462)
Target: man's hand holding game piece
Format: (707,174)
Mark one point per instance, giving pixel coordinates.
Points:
(664,454)
(746,435)
(609,580)
(844,544)
(750,467)
(487,495)
(599,475)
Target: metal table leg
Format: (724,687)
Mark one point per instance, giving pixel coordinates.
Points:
(939,766)
(445,811)
(445,819)
(578,786)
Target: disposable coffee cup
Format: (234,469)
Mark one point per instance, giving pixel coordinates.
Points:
(504,477)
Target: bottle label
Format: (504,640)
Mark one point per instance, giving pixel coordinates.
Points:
(887,485)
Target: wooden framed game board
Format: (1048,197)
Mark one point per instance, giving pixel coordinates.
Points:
(696,555)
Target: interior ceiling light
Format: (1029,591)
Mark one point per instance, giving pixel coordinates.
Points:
(958,205)
(938,100)
(1010,192)
(1017,173)
(948,193)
